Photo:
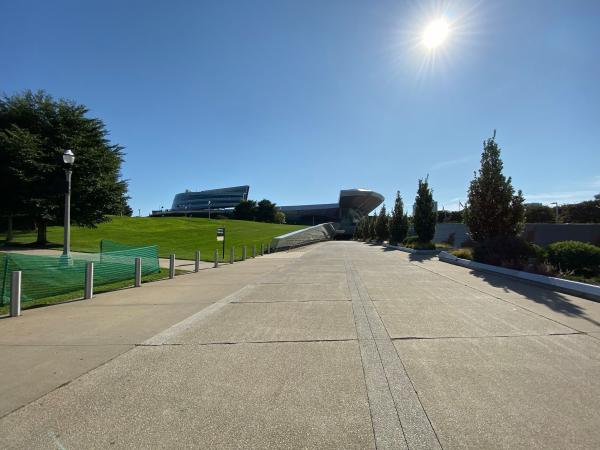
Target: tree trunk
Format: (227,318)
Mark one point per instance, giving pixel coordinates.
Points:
(41,232)
(9,229)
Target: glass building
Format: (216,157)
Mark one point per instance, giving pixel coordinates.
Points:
(199,203)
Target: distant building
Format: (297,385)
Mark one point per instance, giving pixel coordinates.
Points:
(215,199)
(351,206)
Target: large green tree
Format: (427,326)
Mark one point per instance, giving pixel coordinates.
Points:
(583,212)
(372,233)
(382,230)
(35,129)
(266,211)
(245,210)
(539,214)
(493,209)
(424,218)
(361,229)
(398,221)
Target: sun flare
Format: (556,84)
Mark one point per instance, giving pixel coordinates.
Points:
(436,33)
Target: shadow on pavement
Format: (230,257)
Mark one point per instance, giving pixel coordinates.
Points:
(421,256)
(536,293)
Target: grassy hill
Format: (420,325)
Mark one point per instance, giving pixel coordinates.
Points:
(179,235)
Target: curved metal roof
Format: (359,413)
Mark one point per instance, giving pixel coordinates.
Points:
(362,200)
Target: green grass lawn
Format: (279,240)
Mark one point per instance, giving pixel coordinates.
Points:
(179,235)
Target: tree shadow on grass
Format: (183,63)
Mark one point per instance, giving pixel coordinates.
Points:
(8,246)
(556,301)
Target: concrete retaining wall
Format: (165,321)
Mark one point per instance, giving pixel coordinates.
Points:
(538,233)
(547,233)
(444,230)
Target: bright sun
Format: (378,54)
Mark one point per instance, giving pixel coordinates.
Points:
(435,33)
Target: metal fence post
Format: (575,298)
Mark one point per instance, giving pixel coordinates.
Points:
(231,255)
(15,294)
(254,250)
(138,272)
(89,280)
(172,266)
(216,258)
(262,249)
(197,265)
(269,248)
(244,253)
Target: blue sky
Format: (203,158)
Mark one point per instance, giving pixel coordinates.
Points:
(300,99)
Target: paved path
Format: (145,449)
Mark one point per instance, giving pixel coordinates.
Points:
(338,345)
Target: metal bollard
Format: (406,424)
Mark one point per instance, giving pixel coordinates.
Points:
(89,281)
(15,294)
(216,258)
(138,272)
(254,250)
(197,265)
(262,249)
(244,253)
(172,266)
(232,255)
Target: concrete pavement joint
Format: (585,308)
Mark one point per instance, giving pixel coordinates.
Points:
(387,426)
(191,321)
(416,424)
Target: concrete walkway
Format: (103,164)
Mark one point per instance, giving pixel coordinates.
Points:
(338,345)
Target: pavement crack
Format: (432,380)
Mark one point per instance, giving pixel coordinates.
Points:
(494,336)
(288,341)
(161,344)
(242,302)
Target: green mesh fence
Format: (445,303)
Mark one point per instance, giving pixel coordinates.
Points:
(47,276)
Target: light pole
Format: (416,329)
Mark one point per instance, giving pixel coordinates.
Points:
(556,215)
(209,210)
(68,159)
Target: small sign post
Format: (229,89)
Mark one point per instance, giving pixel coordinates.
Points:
(221,237)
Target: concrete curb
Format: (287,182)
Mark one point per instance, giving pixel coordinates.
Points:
(411,250)
(588,291)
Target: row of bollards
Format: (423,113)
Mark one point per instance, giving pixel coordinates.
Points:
(15,293)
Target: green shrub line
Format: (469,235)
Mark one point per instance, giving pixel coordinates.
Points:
(572,260)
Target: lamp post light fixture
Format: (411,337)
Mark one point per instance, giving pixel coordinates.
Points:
(68,159)
(556,211)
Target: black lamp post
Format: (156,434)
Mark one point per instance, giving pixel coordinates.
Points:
(68,159)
